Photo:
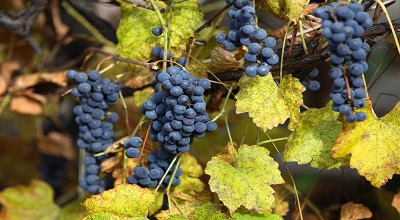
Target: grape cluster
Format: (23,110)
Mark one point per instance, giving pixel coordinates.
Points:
(311,84)
(178,111)
(95,122)
(243,32)
(158,163)
(343,24)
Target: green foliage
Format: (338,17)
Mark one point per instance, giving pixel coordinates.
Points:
(373,144)
(136,43)
(245,216)
(268,104)
(245,182)
(28,202)
(208,211)
(73,210)
(313,138)
(123,201)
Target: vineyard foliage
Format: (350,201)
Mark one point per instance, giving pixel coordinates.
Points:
(244,180)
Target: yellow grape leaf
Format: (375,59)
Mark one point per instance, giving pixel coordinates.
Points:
(28,202)
(124,200)
(246,183)
(313,138)
(352,211)
(268,104)
(373,144)
(285,10)
(135,39)
(223,60)
(140,96)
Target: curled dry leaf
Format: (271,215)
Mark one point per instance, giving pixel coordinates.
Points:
(111,163)
(25,81)
(117,146)
(57,144)
(353,211)
(25,105)
(6,70)
(310,30)
(222,60)
(396,202)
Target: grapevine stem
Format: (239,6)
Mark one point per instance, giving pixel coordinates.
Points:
(166,172)
(272,140)
(126,112)
(205,25)
(347,83)
(165,32)
(365,85)
(143,146)
(283,51)
(302,37)
(102,61)
(171,179)
(390,23)
(222,112)
(291,177)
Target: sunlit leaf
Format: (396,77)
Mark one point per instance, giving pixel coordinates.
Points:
(247,181)
(208,211)
(124,200)
(352,211)
(28,202)
(285,10)
(135,39)
(268,104)
(73,210)
(246,216)
(313,138)
(373,144)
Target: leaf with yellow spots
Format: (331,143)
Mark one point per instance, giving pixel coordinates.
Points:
(313,138)
(268,104)
(123,201)
(247,182)
(373,144)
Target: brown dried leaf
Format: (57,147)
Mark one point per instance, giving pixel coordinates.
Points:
(353,211)
(57,144)
(230,154)
(396,202)
(25,81)
(140,78)
(222,60)
(6,70)
(310,8)
(111,163)
(24,105)
(117,146)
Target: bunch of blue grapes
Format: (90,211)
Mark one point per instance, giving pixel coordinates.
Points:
(343,24)
(311,84)
(243,31)
(95,122)
(177,110)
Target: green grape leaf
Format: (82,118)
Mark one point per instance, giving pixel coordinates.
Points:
(108,216)
(208,211)
(285,10)
(28,202)
(73,210)
(135,39)
(373,144)
(246,183)
(268,104)
(125,200)
(313,138)
(192,170)
(266,216)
